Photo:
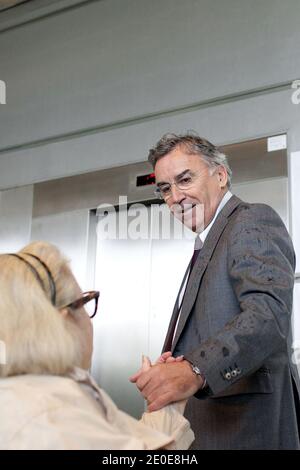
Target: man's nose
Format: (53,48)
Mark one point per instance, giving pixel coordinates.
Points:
(176,194)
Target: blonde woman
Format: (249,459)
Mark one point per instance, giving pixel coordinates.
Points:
(48,400)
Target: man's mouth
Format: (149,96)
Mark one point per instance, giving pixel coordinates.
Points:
(187,208)
(182,211)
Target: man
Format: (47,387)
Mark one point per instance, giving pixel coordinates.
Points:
(231,319)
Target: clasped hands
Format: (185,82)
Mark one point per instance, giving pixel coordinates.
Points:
(167,381)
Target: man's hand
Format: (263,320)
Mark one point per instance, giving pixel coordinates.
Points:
(166,383)
(165,357)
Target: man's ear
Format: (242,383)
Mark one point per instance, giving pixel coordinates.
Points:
(64,311)
(222,175)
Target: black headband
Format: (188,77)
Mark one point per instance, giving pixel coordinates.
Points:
(37,276)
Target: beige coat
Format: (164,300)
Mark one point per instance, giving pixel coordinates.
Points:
(51,412)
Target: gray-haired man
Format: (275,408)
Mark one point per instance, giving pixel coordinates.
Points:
(233,322)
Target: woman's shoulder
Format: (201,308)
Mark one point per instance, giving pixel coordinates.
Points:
(39,402)
(38,392)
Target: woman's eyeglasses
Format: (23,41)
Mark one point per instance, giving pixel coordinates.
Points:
(89,300)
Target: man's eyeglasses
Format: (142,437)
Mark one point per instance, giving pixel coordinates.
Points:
(89,299)
(182,182)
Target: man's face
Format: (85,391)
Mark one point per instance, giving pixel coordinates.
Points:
(196,204)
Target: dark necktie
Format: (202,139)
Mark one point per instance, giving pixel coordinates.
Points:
(197,247)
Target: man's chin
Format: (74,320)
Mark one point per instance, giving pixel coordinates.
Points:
(194,228)
(193,223)
(189,223)
(192,218)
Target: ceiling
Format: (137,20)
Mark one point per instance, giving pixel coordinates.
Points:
(5,4)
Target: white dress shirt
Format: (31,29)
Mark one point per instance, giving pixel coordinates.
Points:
(225,199)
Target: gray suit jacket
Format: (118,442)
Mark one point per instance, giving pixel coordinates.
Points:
(234,326)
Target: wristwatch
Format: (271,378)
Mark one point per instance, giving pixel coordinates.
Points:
(197,371)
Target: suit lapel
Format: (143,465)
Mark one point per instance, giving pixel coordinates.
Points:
(202,262)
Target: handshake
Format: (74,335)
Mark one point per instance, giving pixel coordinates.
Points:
(168,380)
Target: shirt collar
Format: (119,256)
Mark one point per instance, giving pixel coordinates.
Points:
(224,200)
(86,381)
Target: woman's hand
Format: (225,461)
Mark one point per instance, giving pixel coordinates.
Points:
(146,364)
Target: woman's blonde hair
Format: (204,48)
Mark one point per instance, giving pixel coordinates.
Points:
(38,339)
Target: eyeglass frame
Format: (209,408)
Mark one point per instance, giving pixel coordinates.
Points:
(84,299)
(194,176)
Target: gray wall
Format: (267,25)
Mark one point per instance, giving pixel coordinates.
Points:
(15,218)
(94,85)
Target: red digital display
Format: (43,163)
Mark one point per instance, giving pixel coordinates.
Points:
(145,180)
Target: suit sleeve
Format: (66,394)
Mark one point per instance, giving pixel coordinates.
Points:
(261,269)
